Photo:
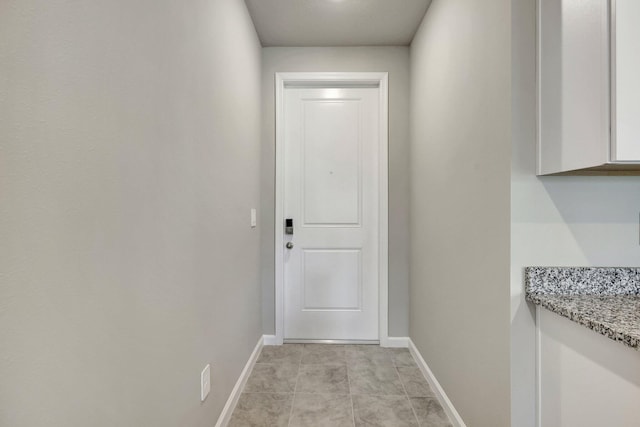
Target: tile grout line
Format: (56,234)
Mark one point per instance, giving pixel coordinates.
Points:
(413,410)
(353,409)
(295,387)
(267,392)
(430,397)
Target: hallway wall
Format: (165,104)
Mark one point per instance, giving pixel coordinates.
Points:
(129,161)
(394,60)
(460,203)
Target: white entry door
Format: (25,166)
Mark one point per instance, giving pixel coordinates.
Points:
(331,165)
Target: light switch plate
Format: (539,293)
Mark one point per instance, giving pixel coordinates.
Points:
(254,220)
(205,382)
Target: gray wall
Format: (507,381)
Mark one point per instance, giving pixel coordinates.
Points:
(395,60)
(566,221)
(460,201)
(126,258)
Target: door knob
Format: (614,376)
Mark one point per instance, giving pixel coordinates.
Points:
(289,245)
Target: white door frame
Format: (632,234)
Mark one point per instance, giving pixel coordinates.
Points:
(379,80)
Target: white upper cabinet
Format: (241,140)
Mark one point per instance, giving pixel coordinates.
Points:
(589,85)
(626,80)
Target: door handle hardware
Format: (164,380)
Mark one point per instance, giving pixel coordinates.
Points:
(289,245)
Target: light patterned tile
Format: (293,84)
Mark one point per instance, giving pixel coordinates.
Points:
(429,412)
(383,411)
(262,410)
(369,354)
(287,353)
(321,410)
(374,379)
(324,375)
(267,378)
(403,357)
(361,347)
(414,382)
(323,354)
(323,379)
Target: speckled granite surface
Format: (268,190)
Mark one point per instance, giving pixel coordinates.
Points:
(604,299)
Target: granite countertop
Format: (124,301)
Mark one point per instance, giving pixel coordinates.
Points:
(604,299)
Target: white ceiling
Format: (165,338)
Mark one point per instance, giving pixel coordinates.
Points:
(336,22)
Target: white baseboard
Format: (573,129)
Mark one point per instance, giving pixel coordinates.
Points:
(271,340)
(448,407)
(395,342)
(232,401)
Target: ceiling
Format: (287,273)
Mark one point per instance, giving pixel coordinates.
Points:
(336,22)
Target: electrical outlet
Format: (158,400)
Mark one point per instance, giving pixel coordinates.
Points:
(205,382)
(254,220)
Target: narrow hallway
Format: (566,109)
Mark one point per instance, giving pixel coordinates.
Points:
(337,385)
(141,225)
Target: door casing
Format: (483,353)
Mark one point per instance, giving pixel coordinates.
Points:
(365,79)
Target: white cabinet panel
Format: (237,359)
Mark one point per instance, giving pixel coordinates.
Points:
(626,80)
(585,379)
(589,89)
(574,84)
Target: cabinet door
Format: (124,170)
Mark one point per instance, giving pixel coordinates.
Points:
(626,80)
(585,379)
(574,115)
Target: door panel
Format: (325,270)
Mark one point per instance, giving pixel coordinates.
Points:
(331,139)
(331,155)
(331,279)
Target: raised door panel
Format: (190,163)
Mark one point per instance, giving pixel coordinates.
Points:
(331,159)
(332,279)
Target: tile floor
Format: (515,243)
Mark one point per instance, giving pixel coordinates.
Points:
(330,385)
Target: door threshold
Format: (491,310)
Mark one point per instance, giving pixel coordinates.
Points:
(309,341)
